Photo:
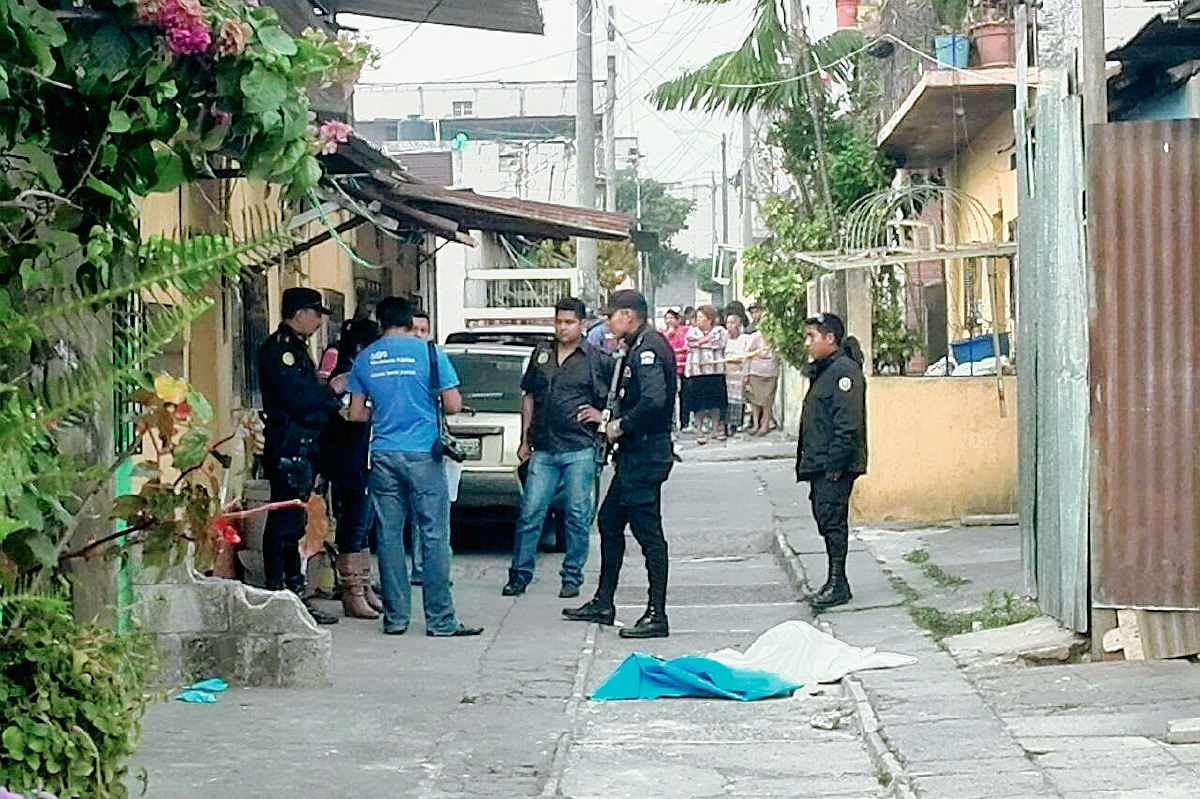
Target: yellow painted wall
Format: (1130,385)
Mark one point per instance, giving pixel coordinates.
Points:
(983,170)
(938,448)
(239,207)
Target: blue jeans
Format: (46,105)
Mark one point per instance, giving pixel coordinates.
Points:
(403,485)
(574,473)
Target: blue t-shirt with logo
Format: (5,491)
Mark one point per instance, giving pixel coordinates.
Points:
(394,373)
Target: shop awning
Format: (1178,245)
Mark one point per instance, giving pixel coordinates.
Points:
(365,181)
(946,111)
(512,16)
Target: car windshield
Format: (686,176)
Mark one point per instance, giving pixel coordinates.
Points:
(490,383)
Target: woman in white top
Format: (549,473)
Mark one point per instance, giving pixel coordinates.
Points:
(705,369)
(736,350)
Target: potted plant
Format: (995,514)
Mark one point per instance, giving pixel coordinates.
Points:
(992,33)
(952,47)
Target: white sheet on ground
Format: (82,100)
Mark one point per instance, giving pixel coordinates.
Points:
(799,652)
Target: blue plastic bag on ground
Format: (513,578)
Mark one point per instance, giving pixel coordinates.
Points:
(203,692)
(643,676)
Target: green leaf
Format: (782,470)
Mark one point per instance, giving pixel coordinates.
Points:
(264,90)
(14,742)
(4,93)
(191,450)
(9,525)
(127,506)
(118,121)
(111,51)
(169,169)
(146,469)
(40,161)
(201,408)
(99,186)
(277,41)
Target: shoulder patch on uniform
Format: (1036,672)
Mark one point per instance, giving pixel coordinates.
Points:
(845,384)
(288,359)
(543,356)
(646,358)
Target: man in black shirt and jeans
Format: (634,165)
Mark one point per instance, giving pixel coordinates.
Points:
(565,383)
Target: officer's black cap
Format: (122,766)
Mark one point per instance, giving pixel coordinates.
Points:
(297,299)
(828,323)
(633,300)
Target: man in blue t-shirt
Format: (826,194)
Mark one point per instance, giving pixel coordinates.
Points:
(406,476)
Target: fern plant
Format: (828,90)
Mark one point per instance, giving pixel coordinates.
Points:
(49,384)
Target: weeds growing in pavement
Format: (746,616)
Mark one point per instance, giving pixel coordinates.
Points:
(1000,609)
(934,572)
(917,556)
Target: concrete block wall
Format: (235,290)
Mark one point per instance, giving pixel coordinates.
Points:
(206,627)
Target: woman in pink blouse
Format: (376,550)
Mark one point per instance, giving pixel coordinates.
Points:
(705,370)
(675,332)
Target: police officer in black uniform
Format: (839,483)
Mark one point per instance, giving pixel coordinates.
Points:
(297,404)
(641,431)
(832,450)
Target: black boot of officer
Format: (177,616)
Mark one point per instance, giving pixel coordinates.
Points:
(836,590)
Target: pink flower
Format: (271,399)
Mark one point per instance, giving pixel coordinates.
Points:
(183,20)
(330,133)
(221,117)
(185,41)
(180,14)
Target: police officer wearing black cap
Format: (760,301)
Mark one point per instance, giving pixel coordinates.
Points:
(832,449)
(641,431)
(297,404)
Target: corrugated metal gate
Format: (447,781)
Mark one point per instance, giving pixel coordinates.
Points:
(1144,224)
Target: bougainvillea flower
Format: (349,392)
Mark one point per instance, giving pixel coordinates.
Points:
(183,411)
(5,793)
(221,117)
(231,37)
(230,534)
(186,41)
(330,133)
(171,389)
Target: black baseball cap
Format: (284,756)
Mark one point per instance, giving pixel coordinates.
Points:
(628,299)
(299,298)
(828,323)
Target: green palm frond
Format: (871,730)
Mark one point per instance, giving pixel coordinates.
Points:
(164,264)
(762,73)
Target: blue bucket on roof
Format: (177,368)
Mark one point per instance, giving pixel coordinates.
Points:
(952,50)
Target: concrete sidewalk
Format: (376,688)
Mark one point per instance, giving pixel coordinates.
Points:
(987,727)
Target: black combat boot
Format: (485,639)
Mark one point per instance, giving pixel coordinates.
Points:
(297,586)
(652,624)
(595,610)
(835,592)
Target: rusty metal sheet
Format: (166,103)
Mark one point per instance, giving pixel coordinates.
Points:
(1144,223)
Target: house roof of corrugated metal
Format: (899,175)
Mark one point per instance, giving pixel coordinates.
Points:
(365,175)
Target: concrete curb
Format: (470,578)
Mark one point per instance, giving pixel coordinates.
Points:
(562,747)
(785,556)
(882,758)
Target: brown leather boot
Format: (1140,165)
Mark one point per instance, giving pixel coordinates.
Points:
(355,585)
(372,598)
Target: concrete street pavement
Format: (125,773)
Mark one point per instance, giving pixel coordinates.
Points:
(505,715)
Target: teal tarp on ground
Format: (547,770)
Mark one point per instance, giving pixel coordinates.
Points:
(643,676)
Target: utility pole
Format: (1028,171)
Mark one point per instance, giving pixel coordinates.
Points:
(713,207)
(747,170)
(610,118)
(585,150)
(724,190)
